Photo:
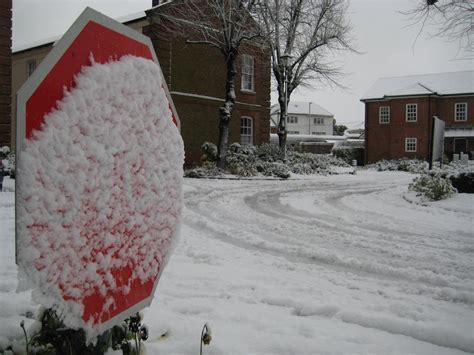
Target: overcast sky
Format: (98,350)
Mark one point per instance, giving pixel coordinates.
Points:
(383,35)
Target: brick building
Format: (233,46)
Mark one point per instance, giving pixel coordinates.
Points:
(399,111)
(5,71)
(195,75)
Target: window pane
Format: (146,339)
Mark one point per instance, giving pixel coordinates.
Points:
(247,73)
(246,134)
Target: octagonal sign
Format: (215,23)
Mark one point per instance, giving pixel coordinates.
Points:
(99,175)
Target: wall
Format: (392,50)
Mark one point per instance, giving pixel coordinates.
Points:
(306,124)
(196,76)
(5,71)
(387,141)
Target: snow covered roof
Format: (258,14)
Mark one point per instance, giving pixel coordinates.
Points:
(23,47)
(303,108)
(453,132)
(453,83)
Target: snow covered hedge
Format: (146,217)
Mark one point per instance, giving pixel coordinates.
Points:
(266,160)
(414,166)
(432,186)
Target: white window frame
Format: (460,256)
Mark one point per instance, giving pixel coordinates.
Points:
(459,112)
(411,116)
(411,144)
(318,120)
(293,119)
(248,74)
(246,130)
(384,117)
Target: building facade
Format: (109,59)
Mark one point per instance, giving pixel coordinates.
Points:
(305,118)
(195,76)
(399,113)
(5,71)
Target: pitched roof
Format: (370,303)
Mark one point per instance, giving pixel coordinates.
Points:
(303,108)
(453,83)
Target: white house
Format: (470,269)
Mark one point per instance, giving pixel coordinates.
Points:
(305,118)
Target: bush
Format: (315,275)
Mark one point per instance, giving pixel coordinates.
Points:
(49,336)
(269,153)
(266,159)
(348,154)
(273,169)
(241,160)
(432,186)
(313,163)
(463,182)
(414,166)
(8,160)
(210,151)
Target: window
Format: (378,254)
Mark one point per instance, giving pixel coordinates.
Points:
(411,112)
(293,132)
(318,133)
(318,120)
(460,111)
(384,114)
(410,145)
(30,66)
(247,73)
(292,119)
(246,130)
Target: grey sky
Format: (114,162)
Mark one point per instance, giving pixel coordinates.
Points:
(382,34)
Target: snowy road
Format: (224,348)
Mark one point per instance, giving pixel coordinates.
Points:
(323,265)
(339,264)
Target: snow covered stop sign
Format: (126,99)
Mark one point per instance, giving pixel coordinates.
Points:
(99,187)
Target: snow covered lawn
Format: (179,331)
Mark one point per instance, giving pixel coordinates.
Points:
(333,265)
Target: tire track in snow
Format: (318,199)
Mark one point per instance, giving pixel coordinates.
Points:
(265,241)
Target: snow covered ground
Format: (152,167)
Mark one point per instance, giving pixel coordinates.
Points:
(322,265)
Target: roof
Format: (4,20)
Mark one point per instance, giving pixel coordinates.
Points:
(453,132)
(302,108)
(454,83)
(45,41)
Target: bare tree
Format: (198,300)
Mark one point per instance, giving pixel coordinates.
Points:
(311,31)
(221,24)
(453,19)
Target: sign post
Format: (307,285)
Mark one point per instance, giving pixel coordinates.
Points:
(99,177)
(437,141)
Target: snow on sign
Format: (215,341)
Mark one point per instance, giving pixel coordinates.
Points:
(99,187)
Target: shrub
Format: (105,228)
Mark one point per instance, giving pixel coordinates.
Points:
(273,169)
(207,169)
(348,154)
(433,187)
(210,151)
(269,153)
(267,160)
(8,160)
(241,160)
(414,166)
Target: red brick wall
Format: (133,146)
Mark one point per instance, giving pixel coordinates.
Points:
(387,141)
(200,70)
(5,71)
(446,109)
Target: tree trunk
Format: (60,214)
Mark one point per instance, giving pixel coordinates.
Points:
(225,112)
(281,131)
